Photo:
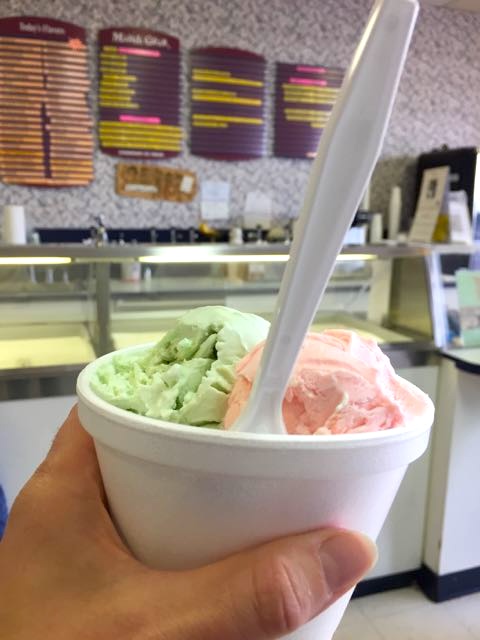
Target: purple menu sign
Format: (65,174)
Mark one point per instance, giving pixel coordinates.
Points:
(139,93)
(304,97)
(45,124)
(227,104)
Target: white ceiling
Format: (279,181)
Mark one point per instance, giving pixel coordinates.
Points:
(463,5)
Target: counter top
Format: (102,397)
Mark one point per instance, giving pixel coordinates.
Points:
(189,253)
(465,359)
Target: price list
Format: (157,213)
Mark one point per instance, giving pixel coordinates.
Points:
(139,93)
(46,135)
(304,98)
(228,118)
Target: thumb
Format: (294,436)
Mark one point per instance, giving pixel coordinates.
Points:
(272,590)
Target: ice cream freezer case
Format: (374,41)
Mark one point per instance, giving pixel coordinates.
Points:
(61,306)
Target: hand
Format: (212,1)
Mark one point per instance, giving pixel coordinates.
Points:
(65,574)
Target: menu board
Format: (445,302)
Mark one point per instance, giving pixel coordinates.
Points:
(227,104)
(45,125)
(304,98)
(139,93)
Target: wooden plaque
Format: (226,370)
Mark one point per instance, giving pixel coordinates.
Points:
(155,183)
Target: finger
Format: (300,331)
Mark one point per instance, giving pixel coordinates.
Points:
(274,589)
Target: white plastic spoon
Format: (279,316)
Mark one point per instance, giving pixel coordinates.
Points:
(347,153)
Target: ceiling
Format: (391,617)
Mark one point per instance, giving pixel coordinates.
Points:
(463,5)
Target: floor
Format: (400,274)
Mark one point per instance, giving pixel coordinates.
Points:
(406,614)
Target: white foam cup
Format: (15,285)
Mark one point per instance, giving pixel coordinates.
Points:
(185,496)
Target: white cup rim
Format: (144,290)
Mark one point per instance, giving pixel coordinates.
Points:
(203,435)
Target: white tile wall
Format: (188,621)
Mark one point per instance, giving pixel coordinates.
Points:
(435,105)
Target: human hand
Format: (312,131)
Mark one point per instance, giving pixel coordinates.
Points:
(65,574)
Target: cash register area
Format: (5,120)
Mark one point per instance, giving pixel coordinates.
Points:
(122,206)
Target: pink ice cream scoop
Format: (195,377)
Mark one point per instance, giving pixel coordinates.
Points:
(342,383)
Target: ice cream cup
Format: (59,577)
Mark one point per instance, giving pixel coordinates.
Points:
(184,496)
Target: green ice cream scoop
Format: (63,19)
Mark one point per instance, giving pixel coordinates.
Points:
(188,375)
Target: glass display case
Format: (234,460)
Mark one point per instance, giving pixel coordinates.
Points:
(61,305)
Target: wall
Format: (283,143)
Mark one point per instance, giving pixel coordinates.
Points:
(437,102)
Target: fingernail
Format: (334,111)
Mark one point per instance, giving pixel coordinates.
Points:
(346,557)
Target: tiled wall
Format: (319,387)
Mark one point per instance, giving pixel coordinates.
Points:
(437,103)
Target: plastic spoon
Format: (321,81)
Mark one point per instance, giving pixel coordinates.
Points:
(347,153)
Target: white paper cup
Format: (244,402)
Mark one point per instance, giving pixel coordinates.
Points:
(14,227)
(185,496)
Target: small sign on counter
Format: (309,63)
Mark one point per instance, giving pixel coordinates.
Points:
(442,215)
(432,202)
(459,217)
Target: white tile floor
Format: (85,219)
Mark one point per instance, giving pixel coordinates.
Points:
(406,614)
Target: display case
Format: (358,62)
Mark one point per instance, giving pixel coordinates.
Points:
(60,305)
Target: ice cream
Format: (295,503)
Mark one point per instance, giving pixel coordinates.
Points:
(188,375)
(342,383)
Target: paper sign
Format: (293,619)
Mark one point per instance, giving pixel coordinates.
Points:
(215,190)
(187,184)
(258,210)
(215,200)
(459,217)
(468,290)
(430,204)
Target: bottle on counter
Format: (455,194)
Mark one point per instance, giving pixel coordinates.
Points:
(100,232)
(49,276)
(394,212)
(376,228)
(147,277)
(131,271)
(235,236)
(192,235)
(235,270)
(256,270)
(35,238)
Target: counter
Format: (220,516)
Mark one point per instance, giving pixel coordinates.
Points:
(451,566)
